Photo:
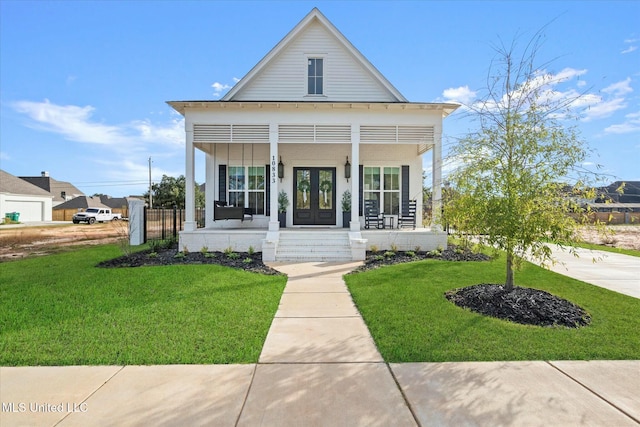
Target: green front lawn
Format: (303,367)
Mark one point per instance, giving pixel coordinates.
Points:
(61,310)
(411,321)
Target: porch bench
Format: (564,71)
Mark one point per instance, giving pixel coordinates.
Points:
(220,211)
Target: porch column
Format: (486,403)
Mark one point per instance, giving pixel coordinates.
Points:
(354,225)
(436,197)
(190,196)
(274,225)
(210,188)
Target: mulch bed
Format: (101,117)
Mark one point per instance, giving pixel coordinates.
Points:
(521,305)
(240,260)
(379,259)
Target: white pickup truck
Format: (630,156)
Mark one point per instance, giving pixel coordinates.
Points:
(92,215)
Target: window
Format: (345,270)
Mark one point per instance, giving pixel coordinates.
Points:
(314,76)
(383,185)
(247,187)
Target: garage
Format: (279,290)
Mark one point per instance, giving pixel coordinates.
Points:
(31,202)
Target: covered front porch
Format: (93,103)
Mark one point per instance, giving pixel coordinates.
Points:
(315,154)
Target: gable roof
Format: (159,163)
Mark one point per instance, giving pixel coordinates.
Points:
(13,185)
(81,202)
(54,187)
(630,192)
(116,202)
(314,17)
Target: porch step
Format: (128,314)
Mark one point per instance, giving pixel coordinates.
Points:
(313,245)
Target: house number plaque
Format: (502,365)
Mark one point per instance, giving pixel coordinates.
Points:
(273,169)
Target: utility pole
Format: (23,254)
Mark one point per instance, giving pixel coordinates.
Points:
(150,193)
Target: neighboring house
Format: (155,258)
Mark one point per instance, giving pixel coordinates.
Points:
(80,203)
(313,119)
(60,190)
(31,202)
(117,202)
(620,192)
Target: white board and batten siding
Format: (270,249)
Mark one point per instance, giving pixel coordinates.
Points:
(285,77)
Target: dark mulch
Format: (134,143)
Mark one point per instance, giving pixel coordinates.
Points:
(240,260)
(452,253)
(521,305)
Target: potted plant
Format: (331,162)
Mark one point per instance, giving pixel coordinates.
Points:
(346,208)
(283,203)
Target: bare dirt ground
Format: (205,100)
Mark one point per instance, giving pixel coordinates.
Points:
(21,241)
(24,240)
(616,236)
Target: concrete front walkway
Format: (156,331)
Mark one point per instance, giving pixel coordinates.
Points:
(320,367)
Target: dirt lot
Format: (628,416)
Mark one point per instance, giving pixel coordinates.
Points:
(22,241)
(617,236)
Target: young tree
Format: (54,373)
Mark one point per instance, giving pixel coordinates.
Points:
(509,191)
(170,192)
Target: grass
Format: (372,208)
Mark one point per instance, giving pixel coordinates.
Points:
(411,321)
(624,251)
(61,310)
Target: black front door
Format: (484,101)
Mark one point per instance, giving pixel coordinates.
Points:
(314,196)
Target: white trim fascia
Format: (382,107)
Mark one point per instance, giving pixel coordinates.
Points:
(182,106)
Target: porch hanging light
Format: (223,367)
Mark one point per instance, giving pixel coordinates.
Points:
(280,169)
(347,169)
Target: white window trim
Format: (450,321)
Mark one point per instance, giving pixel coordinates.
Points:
(382,191)
(246,191)
(307,57)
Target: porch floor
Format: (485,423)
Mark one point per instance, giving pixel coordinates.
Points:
(312,243)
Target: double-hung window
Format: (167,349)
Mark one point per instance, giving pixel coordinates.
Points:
(315,76)
(247,187)
(383,184)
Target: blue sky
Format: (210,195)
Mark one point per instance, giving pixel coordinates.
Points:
(83,85)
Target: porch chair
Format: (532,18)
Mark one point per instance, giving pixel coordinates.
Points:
(248,212)
(372,215)
(407,217)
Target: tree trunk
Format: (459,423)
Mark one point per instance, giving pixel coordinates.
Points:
(509,283)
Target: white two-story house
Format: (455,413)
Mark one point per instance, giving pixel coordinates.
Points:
(313,119)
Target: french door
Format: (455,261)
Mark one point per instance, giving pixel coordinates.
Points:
(314,196)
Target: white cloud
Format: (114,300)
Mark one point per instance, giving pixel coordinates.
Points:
(4,156)
(604,109)
(71,121)
(236,80)
(218,88)
(631,48)
(631,124)
(170,133)
(620,88)
(75,123)
(461,94)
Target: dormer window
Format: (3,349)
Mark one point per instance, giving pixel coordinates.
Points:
(315,72)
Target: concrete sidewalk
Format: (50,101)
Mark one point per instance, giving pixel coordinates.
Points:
(320,367)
